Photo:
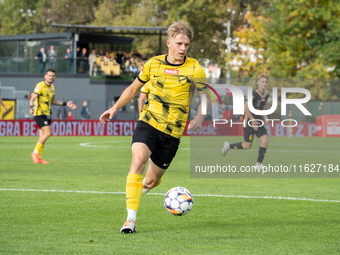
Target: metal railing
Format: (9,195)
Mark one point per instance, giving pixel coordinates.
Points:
(9,92)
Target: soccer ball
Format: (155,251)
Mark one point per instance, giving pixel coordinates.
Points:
(178,201)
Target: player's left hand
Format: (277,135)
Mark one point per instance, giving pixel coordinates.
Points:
(71,105)
(107,115)
(195,125)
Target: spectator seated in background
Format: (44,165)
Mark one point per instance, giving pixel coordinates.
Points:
(107,56)
(101,52)
(136,54)
(144,58)
(119,57)
(134,70)
(126,60)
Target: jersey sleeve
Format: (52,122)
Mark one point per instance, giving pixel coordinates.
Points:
(144,75)
(37,89)
(200,79)
(146,88)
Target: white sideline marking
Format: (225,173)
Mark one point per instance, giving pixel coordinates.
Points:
(92,145)
(195,195)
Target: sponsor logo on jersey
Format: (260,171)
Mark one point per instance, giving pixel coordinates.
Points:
(171,71)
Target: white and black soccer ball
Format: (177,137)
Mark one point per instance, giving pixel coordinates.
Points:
(178,201)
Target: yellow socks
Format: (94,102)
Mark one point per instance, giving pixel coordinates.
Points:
(160,181)
(38,148)
(134,189)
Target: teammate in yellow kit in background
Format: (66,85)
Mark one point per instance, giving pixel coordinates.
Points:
(43,96)
(162,121)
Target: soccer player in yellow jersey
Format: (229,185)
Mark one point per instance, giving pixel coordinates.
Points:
(163,119)
(43,96)
(143,94)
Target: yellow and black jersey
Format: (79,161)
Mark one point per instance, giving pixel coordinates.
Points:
(44,99)
(171,90)
(259,100)
(146,90)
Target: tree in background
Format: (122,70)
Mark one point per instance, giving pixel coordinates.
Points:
(303,42)
(27,17)
(249,59)
(78,12)
(19,17)
(134,13)
(209,21)
(293,39)
(302,39)
(288,38)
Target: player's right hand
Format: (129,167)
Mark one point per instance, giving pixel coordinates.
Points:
(254,124)
(107,115)
(31,111)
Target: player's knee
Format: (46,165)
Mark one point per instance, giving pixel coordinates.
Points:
(265,142)
(48,133)
(246,146)
(151,183)
(138,164)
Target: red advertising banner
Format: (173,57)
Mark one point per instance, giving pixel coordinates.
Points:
(69,128)
(328,125)
(126,128)
(302,129)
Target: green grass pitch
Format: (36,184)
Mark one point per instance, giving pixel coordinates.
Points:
(37,216)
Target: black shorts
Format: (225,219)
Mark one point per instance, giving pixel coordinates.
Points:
(248,132)
(163,147)
(43,120)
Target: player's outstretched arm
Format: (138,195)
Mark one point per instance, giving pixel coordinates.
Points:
(128,94)
(196,123)
(71,105)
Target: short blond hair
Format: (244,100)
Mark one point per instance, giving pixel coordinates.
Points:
(180,27)
(262,75)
